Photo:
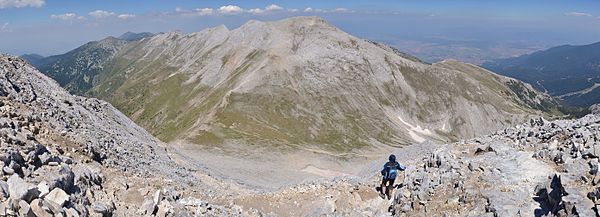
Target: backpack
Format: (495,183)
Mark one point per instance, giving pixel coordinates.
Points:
(391,170)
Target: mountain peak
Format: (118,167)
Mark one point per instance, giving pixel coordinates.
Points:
(319,77)
(300,21)
(309,20)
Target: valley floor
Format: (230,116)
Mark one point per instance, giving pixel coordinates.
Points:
(268,170)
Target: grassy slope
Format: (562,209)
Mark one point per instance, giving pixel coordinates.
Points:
(171,107)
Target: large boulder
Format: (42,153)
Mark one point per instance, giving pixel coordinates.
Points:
(57,177)
(39,210)
(21,190)
(57,196)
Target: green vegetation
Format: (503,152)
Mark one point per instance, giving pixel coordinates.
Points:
(339,104)
(78,69)
(528,97)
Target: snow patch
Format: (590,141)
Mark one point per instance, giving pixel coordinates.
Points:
(416,132)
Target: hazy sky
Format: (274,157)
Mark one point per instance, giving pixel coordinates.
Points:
(56,26)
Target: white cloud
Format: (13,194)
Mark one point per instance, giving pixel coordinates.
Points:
(66,16)
(578,14)
(101,14)
(273,7)
(230,9)
(126,16)
(236,10)
(204,11)
(256,11)
(269,8)
(5,28)
(342,10)
(21,3)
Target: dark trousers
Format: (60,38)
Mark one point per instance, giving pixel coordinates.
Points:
(387,185)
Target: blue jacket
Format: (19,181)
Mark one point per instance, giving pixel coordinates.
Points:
(389,166)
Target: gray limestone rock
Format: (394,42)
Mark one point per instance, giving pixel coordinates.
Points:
(21,190)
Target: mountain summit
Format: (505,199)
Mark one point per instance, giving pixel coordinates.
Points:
(301,82)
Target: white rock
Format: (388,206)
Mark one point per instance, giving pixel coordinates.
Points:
(39,210)
(25,209)
(70,212)
(19,189)
(157,197)
(8,171)
(57,196)
(43,188)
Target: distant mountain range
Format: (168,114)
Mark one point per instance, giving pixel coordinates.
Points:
(298,82)
(571,73)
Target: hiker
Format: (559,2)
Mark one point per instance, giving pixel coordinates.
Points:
(389,172)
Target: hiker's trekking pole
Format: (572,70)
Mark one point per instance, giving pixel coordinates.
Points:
(403,178)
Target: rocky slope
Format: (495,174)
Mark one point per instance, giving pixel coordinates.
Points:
(301,82)
(64,155)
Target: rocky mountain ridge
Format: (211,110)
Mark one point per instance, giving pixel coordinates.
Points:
(76,70)
(303,83)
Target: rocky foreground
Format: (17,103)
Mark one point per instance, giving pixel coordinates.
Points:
(539,168)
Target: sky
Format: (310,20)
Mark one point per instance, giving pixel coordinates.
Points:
(49,27)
